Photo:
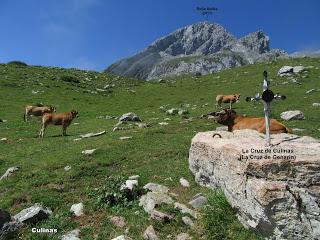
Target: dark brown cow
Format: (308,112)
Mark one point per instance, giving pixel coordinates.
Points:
(234,121)
(62,119)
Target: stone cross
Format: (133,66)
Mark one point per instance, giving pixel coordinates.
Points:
(267,97)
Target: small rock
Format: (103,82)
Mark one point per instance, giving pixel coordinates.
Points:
(152,199)
(121,237)
(33,214)
(316,104)
(310,91)
(143,125)
(10,230)
(285,71)
(183,112)
(183,236)
(160,216)
(9,172)
(184,209)
(292,115)
(187,221)
(298,69)
(125,138)
(172,111)
(134,177)
(67,168)
(150,234)
(72,235)
(163,108)
(118,221)
(88,152)
(154,187)
(77,209)
(129,184)
(89,135)
(129,117)
(198,201)
(184,182)
(109,117)
(4,217)
(163,123)
(167,119)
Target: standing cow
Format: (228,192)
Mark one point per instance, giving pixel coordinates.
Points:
(37,110)
(61,119)
(227,99)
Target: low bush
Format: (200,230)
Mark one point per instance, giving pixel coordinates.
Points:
(70,79)
(17,64)
(111,194)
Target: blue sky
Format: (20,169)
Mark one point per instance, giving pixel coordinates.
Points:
(92,34)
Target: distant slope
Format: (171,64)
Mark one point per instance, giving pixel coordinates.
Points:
(199,48)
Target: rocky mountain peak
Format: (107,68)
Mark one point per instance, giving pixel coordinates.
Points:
(200,38)
(256,41)
(202,47)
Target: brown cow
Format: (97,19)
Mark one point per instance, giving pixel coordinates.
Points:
(227,99)
(63,119)
(237,122)
(37,110)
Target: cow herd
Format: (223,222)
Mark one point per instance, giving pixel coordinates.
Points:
(226,117)
(49,116)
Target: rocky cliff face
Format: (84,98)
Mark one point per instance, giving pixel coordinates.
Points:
(199,48)
(276,193)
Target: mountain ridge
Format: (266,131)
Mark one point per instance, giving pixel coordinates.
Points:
(208,47)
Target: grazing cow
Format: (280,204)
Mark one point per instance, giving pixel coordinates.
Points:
(227,99)
(234,121)
(63,119)
(37,110)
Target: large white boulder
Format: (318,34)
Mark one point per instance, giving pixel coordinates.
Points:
(276,194)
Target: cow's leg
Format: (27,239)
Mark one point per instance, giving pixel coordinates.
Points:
(41,131)
(43,128)
(64,130)
(26,116)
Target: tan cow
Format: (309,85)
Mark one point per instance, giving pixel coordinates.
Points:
(234,121)
(37,110)
(227,99)
(62,119)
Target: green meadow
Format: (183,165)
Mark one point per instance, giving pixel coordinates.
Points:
(157,154)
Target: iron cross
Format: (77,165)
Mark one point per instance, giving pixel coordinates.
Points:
(266,98)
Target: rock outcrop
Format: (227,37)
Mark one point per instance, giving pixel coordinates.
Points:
(277,194)
(200,48)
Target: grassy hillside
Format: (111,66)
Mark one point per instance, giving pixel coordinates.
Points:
(158,154)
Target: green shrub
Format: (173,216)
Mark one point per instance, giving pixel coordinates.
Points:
(111,194)
(69,78)
(17,63)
